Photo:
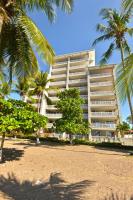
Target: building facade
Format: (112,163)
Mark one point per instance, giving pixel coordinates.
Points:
(96,85)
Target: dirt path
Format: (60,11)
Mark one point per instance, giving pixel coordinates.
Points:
(50,172)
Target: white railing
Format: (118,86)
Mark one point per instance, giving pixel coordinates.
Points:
(49,125)
(78,67)
(54,98)
(81,88)
(103,102)
(58,76)
(60,63)
(58,83)
(101,83)
(79,60)
(54,115)
(77,73)
(103,113)
(102,93)
(51,107)
(78,81)
(59,69)
(85,106)
(102,74)
(84,96)
(103,125)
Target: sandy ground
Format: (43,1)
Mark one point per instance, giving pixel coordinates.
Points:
(54,172)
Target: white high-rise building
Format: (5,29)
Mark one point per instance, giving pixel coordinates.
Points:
(96,85)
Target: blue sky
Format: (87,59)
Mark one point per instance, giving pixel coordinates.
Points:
(77,31)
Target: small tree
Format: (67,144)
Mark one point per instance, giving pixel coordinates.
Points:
(122,127)
(72,121)
(18,116)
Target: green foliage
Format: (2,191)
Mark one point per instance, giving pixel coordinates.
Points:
(19,116)
(20,37)
(122,127)
(72,115)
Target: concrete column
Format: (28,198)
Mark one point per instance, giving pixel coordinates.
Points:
(67,75)
(89,102)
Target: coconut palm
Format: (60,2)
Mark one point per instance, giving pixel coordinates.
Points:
(127,4)
(40,89)
(122,127)
(22,88)
(20,37)
(116,30)
(5,90)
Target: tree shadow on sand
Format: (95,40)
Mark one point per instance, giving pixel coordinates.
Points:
(53,189)
(115,196)
(10,154)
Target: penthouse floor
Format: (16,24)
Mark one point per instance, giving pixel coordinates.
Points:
(49,172)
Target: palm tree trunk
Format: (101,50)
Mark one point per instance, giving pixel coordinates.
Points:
(128,93)
(1,147)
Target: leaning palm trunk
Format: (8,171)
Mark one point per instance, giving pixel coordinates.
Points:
(128,93)
(1,147)
(40,99)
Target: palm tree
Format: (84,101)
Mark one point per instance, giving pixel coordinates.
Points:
(127,4)
(116,31)
(129,119)
(5,90)
(122,127)
(22,88)
(40,89)
(19,35)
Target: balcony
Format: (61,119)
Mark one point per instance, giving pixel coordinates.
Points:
(84,96)
(58,83)
(60,63)
(49,125)
(59,69)
(103,114)
(77,81)
(79,61)
(58,76)
(102,93)
(79,67)
(54,116)
(51,107)
(103,103)
(77,74)
(54,92)
(100,75)
(100,84)
(54,99)
(84,106)
(103,126)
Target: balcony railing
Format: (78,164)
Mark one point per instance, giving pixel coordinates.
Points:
(85,106)
(77,73)
(103,125)
(59,69)
(84,96)
(101,83)
(102,93)
(49,125)
(78,81)
(103,102)
(78,67)
(58,83)
(54,115)
(102,114)
(51,107)
(101,75)
(58,76)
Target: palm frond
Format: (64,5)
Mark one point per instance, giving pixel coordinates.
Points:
(107,54)
(37,39)
(101,39)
